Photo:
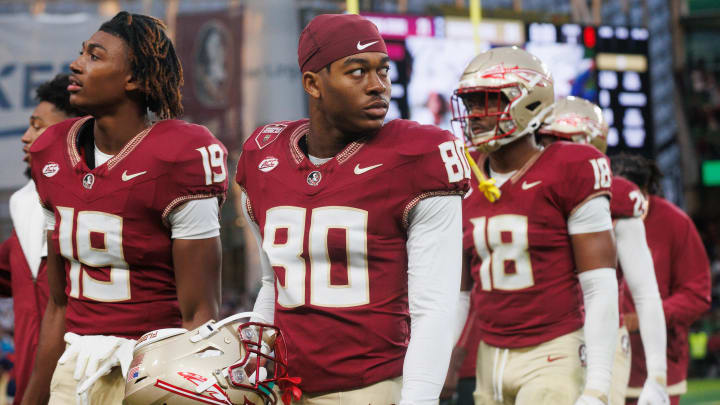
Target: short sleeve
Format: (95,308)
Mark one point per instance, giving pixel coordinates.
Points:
(441,167)
(627,199)
(583,173)
(44,166)
(197,219)
(198,171)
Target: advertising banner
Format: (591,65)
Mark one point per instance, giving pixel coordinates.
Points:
(33,50)
(210,48)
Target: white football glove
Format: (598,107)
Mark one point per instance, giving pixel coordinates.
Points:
(653,393)
(95,356)
(588,400)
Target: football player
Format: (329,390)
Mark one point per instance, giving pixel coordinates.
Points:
(359,226)
(132,214)
(22,256)
(546,234)
(578,120)
(683,276)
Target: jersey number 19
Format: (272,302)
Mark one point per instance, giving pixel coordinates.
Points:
(98,241)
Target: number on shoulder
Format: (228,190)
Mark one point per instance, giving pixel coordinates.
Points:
(603,175)
(639,203)
(456,164)
(213,159)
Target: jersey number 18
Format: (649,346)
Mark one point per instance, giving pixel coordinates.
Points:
(502,241)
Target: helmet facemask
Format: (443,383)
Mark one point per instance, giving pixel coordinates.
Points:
(264,362)
(484,115)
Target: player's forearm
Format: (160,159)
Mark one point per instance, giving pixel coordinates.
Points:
(636,260)
(434,267)
(50,347)
(198,290)
(600,294)
(461,317)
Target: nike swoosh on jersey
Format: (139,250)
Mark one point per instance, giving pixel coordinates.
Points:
(361,170)
(527,186)
(551,359)
(360,46)
(126,177)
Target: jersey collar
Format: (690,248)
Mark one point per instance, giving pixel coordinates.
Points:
(298,155)
(72,145)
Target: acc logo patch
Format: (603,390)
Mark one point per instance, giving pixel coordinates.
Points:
(268,134)
(268,164)
(51,169)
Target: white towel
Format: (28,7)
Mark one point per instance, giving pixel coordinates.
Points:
(29,222)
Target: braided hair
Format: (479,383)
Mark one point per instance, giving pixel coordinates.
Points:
(640,170)
(153,61)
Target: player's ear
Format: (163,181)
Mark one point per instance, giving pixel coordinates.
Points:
(131,83)
(312,84)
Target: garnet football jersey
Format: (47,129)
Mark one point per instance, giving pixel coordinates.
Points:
(526,287)
(627,199)
(336,237)
(683,276)
(111,221)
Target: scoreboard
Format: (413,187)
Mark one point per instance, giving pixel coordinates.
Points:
(606,65)
(617,79)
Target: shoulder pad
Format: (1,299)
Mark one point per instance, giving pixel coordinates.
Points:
(573,152)
(53,136)
(412,139)
(176,139)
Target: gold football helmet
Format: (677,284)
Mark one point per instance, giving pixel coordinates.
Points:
(578,120)
(503,95)
(226,362)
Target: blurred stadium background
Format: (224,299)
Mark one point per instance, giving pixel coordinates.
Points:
(652,65)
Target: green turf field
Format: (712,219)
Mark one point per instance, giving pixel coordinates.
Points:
(702,392)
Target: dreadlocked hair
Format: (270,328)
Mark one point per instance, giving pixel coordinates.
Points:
(153,61)
(638,169)
(55,92)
